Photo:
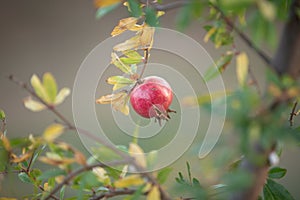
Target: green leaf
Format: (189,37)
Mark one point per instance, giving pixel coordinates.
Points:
(62,192)
(2,115)
(119,80)
(151,17)
(133,54)
(135,8)
(50,86)
(105,10)
(137,194)
(275,191)
(130,61)
(39,88)
(163,174)
(51,173)
(24,177)
(184,17)
(119,64)
(189,171)
(277,172)
(218,68)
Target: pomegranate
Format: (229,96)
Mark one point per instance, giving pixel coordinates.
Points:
(152,98)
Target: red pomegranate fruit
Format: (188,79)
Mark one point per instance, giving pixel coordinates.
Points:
(152,98)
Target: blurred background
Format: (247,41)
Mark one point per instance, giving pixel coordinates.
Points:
(38,36)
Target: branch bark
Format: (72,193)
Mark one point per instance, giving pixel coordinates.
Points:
(285,61)
(287,57)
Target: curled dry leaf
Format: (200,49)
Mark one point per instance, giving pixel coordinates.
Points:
(146,37)
(143,39)
(104,3)
(118,101)
(126,24)
(21,158)
(80,158)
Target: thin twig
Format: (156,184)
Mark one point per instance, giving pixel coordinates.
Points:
(293,113)
(145,62)
(73,174)
(254,81)
(30,162)
(245,38)
(170,6)
(65,121)
(69,125)
(114,193)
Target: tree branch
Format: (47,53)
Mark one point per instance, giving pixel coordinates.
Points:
(165,7)
(287,57)
(114,193)
(79,171)
(126,157)
(244,37)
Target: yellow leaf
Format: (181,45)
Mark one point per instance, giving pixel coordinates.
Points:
(132,43)
(267,9)
(124,24)
(33,105)
(53,131)
(59,179)
(80,158)
(39,88)
(274,90)
(7,198)
(111,98)
(46,187)
(132,180)
(102,175)
(160,13)
(124,171)
(121,105)
(63,93)
(137,152)
(154,194)
(209,34)
(118,101)
(5,142)
(56,160)
(50,86)
(242,64)
(146,38)
(22,157)
(103,3)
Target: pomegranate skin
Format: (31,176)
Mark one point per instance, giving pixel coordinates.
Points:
(152,98)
